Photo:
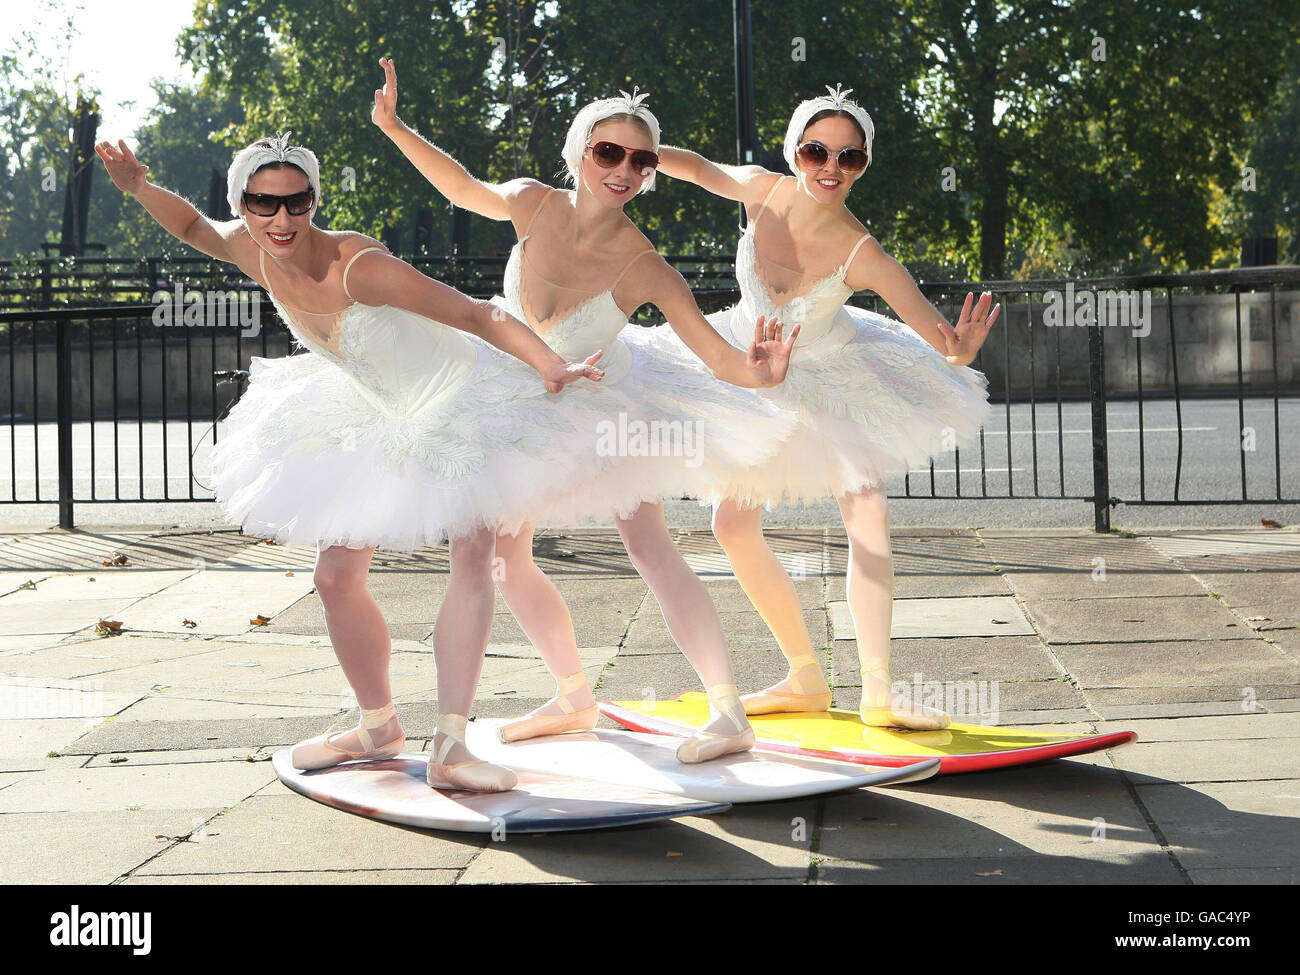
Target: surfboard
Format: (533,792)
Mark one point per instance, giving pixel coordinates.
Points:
(842,736)
(395,790)
(650,762)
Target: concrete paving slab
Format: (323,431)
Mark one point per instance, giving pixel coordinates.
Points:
(35,698)
(105,656)
(1234,875)
(955,658)
(965,616)
(1128,619)
(89,847)
(420,878)
(1262,542)
(112,760)
(1177,663)
(20,619)
(1059,809)
(1169,702)
(1149,867)
(750,842)
(292,833)
(219,600)
(1236,825)
(1210,728)
(1219,760)
(121,787)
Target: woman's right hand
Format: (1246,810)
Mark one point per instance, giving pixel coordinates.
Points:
(126,172)
(385,111)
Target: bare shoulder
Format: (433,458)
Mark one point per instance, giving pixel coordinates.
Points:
(351,242)
(759,186)
(523,196)
(651,277)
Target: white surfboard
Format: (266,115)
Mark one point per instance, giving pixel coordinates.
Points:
(396,791)
(650,762)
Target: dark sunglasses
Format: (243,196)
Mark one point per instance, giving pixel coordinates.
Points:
(607,155)
(268,204)
(813,155)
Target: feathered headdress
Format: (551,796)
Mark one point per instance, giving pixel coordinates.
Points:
(837,100)
(261,153)
(575,143)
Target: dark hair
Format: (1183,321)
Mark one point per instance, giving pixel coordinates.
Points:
(839,113)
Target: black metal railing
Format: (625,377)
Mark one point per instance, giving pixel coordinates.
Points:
(127,404)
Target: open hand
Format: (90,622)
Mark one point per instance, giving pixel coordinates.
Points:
(769,356)
(384,114)
(972,329)
(571,372)
(126,172)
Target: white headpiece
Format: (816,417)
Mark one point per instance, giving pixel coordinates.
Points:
(252,158)
(836,100)
(575,143)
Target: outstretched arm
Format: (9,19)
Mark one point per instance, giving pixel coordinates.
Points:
(449,177)
(731,182)
(765,363)
(381,279)
(176,215)
(873,269)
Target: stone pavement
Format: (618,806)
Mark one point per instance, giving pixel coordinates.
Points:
(143,757)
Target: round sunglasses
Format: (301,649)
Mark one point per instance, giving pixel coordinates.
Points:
(607,155)
(814,155)
(268,204)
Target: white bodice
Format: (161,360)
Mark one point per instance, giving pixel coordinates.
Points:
(594,324)
(825,325)
(404,363)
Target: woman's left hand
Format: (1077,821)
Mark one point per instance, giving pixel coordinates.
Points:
(972,329)
(769,356)
(570,372)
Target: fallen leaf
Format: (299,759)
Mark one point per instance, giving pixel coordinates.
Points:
(1269,523)
(105,627)
(117,558)
(991,873)
(260,620)
(673,853)
(28,585)
(190,623)
(290,574)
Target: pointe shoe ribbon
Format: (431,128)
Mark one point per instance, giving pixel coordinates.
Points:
(320,752)
(536,725)
(472,775)
(773,700)
(704,746)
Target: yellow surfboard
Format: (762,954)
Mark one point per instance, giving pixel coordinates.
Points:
(841,735)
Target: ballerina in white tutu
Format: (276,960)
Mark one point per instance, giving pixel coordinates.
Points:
(394,429)
(874,397)
(578,270)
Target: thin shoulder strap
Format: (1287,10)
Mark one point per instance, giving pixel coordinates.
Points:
(762,207)
(775,183)
(348,267)
(546,198)
(854,253)
(628,266)
(261,263)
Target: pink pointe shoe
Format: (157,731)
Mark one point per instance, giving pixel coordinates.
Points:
(797,698)
(320,752)
(900,712)
(471,775)
(704,746)
(535,725)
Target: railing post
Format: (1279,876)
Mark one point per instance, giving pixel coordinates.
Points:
(1097,391)
(63,394)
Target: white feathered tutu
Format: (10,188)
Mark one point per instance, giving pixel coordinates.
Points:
(412,434)
(665,425)
(873,400)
